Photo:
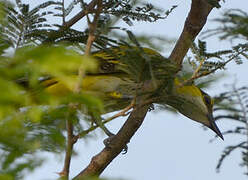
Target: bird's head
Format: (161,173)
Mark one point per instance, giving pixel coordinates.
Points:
(194,103)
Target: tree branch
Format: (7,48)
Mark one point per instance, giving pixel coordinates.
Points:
(69,148)
(81,14)
(195,21)
(123,112)
(100,161)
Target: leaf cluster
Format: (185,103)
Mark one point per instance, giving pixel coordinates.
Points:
(203,63)
(32,119)
(130,11)
(21,23)
(233,105)
(233,25)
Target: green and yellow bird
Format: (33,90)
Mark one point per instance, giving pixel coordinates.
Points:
(122,69)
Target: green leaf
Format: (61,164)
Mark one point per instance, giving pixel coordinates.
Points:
(6,177)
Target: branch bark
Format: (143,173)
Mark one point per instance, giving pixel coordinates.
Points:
(81,14)
(194,23)
(69,148)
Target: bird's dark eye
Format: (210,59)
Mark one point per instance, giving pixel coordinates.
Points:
(107,67)
(207,100)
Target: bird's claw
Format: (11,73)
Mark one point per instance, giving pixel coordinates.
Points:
(108,141)
(151,108)
(124,150)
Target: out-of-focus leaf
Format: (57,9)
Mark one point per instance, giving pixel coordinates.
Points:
(55,61)
(6,177)
(31,118)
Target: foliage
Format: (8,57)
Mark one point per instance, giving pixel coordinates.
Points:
(22,22)
(234,25)
(29,116)
(202,63)
(233,105)
(32,119)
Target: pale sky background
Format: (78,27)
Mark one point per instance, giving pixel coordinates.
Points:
(167,146)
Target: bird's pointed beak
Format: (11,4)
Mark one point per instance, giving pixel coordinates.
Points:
(214,127)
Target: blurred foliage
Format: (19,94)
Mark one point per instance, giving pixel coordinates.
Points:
(233,105)
(31,119)
(233,25)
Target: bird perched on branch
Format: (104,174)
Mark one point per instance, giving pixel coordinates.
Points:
(122,71)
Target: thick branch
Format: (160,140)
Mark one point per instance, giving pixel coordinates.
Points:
(103,159)
(195,21)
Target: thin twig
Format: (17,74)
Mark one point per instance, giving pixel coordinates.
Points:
(91,38)
(197,70)
(63,11)
(122,113)
(90,7)
(69,125)
(197,75)
(70,142)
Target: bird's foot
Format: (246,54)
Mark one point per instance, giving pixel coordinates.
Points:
(151,108)
(107,142)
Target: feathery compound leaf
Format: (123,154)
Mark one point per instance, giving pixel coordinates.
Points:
(233,105)
(22,20)
(234,25)
(228,150)
(130,11)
